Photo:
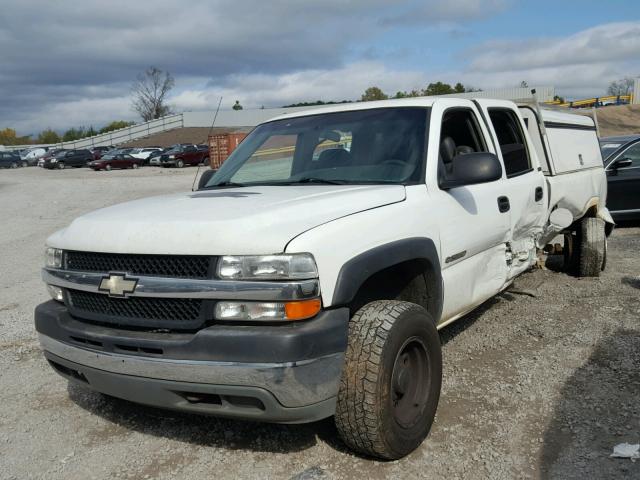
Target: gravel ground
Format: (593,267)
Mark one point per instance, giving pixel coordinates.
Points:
(540,382)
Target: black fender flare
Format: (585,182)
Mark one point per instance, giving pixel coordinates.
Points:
(357,270)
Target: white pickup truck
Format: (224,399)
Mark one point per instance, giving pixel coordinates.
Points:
(309,275)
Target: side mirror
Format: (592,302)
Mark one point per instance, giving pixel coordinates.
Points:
(622,163)
(205,177)
(472,168)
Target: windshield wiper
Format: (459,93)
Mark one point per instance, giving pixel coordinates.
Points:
(227,184)
(319,180)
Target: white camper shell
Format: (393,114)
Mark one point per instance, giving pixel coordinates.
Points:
(569,153)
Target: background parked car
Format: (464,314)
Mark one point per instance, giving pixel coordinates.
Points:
(10,160)
(69,158)
(117,160)
(154,158)
(185,155)
(97,152)
(144,153)
(622,163)
(33,155)
(49,155)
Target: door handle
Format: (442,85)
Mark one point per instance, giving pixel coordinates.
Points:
(503,204)
(539,194)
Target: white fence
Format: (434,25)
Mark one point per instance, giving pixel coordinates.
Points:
(121,135)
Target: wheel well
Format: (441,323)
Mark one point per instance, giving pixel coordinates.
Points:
(412,281)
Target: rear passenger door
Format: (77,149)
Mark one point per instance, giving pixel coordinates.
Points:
(524,187)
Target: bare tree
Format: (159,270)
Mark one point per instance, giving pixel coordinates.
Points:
(149,92)
(623,86)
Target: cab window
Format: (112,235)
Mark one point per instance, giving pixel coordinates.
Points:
(460,134)
(511,141)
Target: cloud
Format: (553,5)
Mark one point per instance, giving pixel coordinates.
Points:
(343,83)
(59,56)
(583,63)
(72,63)
(451,12)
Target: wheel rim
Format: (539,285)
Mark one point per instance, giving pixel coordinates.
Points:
(25,164)
(14,165)
(135,165)
(61,166)
(410,382)
(108,167)
(180,164)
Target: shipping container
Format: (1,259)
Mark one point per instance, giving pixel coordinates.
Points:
(221,145)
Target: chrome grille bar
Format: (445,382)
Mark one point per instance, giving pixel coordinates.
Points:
(162,287)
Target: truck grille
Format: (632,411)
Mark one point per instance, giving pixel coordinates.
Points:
(170,313)
(177,266)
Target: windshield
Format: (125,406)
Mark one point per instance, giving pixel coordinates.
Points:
(61,153)
(383,145)
(109,156)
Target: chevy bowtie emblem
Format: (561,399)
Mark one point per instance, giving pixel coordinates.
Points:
(118,285)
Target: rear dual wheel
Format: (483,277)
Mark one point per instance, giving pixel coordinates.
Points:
(391,379)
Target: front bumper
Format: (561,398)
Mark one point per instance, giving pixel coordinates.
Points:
(284,374)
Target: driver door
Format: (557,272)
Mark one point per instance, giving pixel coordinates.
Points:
(473,229)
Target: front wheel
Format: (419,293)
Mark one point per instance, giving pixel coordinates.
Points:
(391,379)
(179,164)
(135,165)
(61,165)
(14,165)
(107,167)
(25,164)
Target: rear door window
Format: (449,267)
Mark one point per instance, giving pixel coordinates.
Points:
(511,141)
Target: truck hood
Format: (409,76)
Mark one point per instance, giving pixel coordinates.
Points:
(234,221)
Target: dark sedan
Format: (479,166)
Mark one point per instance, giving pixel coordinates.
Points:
(115,160)
(622,163)
(10,160)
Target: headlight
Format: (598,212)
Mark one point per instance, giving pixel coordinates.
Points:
(267,311)
(298,266)
(53,257)
(53,160)
(172,156)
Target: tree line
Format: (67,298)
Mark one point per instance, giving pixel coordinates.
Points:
(8,136)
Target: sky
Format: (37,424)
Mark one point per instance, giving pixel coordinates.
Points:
(71,63)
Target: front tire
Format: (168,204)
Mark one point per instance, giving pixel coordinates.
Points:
(25,164)
(14,165)
(107,167)
(391,379)
(61,165)
(591,254)
(135,166)
(179,164)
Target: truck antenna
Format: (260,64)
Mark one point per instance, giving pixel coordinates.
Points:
(193,185)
